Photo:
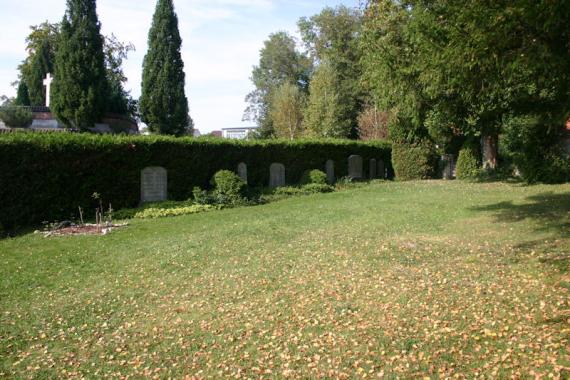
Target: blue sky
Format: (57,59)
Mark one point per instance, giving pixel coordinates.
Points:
(221,43)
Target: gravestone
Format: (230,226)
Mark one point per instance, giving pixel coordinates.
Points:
(381,169)
(448,166)
(242,171)
(355,167)
(276,175)
(373,168)
(330,171)
(154,184)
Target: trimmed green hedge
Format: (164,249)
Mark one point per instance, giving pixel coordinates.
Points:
(414,161)
(45,177)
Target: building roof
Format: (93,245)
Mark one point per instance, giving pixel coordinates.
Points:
(239,128)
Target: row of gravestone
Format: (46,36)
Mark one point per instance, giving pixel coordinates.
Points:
(154,180)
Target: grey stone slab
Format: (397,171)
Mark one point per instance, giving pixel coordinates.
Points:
(276,175)
(355,166)
(242,171)
(154,184)
(329,167)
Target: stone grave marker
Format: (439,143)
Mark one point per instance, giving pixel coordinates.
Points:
(373,168)
(330,171)
(355,166)
(154,182)
(276,175)
(381,169)
(242,171)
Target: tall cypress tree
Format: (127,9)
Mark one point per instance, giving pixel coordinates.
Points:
(163,103)
(80,88)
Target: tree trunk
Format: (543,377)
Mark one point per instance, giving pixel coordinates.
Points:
(490,145)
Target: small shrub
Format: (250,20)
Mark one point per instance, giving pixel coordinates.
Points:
(315,188)
(229,187)
(414,161)
(467,164)
(16,117)
(314,176)
(202,197)
(163,209)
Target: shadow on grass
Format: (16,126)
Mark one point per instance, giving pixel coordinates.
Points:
(551,213)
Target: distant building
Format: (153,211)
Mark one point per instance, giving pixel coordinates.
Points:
(238,133)
(196,132)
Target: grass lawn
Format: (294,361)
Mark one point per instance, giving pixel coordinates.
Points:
(421,279)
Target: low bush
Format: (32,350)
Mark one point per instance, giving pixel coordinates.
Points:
(467,164)
(229,188)
(314,176)
(16,117)
(162,209)
(534,146)
(312,188)
(414,161)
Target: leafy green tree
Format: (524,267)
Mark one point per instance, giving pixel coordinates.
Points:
(163,103)
(120,100)
(42,64)
(322,113)
(287,111)
(280,62)
(468,67)
(22,97)
(333,36)
(80,89)
(41,45)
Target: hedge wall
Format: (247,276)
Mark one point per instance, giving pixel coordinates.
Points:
(45,177)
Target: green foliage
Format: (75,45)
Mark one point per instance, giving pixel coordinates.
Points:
(16,117)
(311,188)
(42,63)
(163,103)
(162,209)
(287,111)
(229,188)
(414,161)
(333,36)
(41,47)
(314,176)
(468,166)
(533,145)
(80,88)
(61,171)
(323,116)
(120,101)
(459,67)
(280,62)
(22,97)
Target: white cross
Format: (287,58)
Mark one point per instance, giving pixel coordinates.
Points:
(47,83)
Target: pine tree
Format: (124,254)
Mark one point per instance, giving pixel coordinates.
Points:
(323,116)
(42,64)
(23,97)
(80,88)
(163,103)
